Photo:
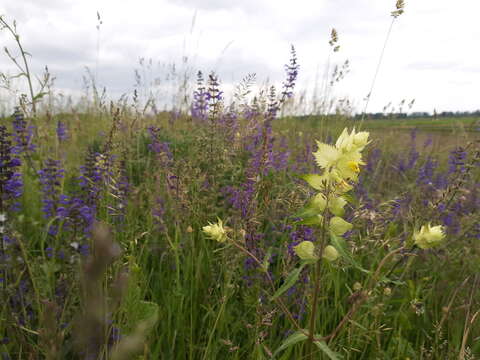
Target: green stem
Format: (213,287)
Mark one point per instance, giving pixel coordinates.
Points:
(25,62)
(313,315)
(316,279)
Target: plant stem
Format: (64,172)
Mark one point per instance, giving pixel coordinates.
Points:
(26,70)
(313,315)
(316,279)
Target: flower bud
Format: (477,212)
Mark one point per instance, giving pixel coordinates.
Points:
(305,250)
(330,253)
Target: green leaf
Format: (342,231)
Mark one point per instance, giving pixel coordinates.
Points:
(314,180)
(293,339)
(299,336)
(39,96)
(313,220)
(18,75)
(339,243)
(306,212)
(322,345)
(290,280)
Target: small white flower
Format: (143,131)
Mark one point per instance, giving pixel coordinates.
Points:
(3,217)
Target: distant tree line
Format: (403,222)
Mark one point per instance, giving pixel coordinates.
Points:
(419,114)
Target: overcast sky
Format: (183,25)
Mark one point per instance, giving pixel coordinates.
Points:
(432,55)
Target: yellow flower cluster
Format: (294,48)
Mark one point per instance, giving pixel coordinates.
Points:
(341,165)
(342,161)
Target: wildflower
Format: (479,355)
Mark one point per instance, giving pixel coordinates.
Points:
(352,142)
(338,226)
(22,134)
(62,132)
(322,182)
(429,236)
(215,231)
(343,160)
(11,183)
(305,250)
(51,176)
(330,253)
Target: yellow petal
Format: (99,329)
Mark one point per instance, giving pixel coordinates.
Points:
(326,155)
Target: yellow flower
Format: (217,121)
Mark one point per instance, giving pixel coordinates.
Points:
(215,231)
(326,155)
(343,160)
(429,236)
(338,226)
(305,250)
(360,140)
(354,166)
(352,142)
(330,253)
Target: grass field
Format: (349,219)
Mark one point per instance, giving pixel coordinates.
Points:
(105,253)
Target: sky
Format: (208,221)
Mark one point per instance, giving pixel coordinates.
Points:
(432,53)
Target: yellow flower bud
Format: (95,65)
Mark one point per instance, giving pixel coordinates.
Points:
(305,250)
(215,231)
(330,253)
(319,202)
(336,205)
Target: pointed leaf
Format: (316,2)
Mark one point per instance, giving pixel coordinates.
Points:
(322,345)
(314,180)
(293,339)
(339,243)
(313,220)
(290,280)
